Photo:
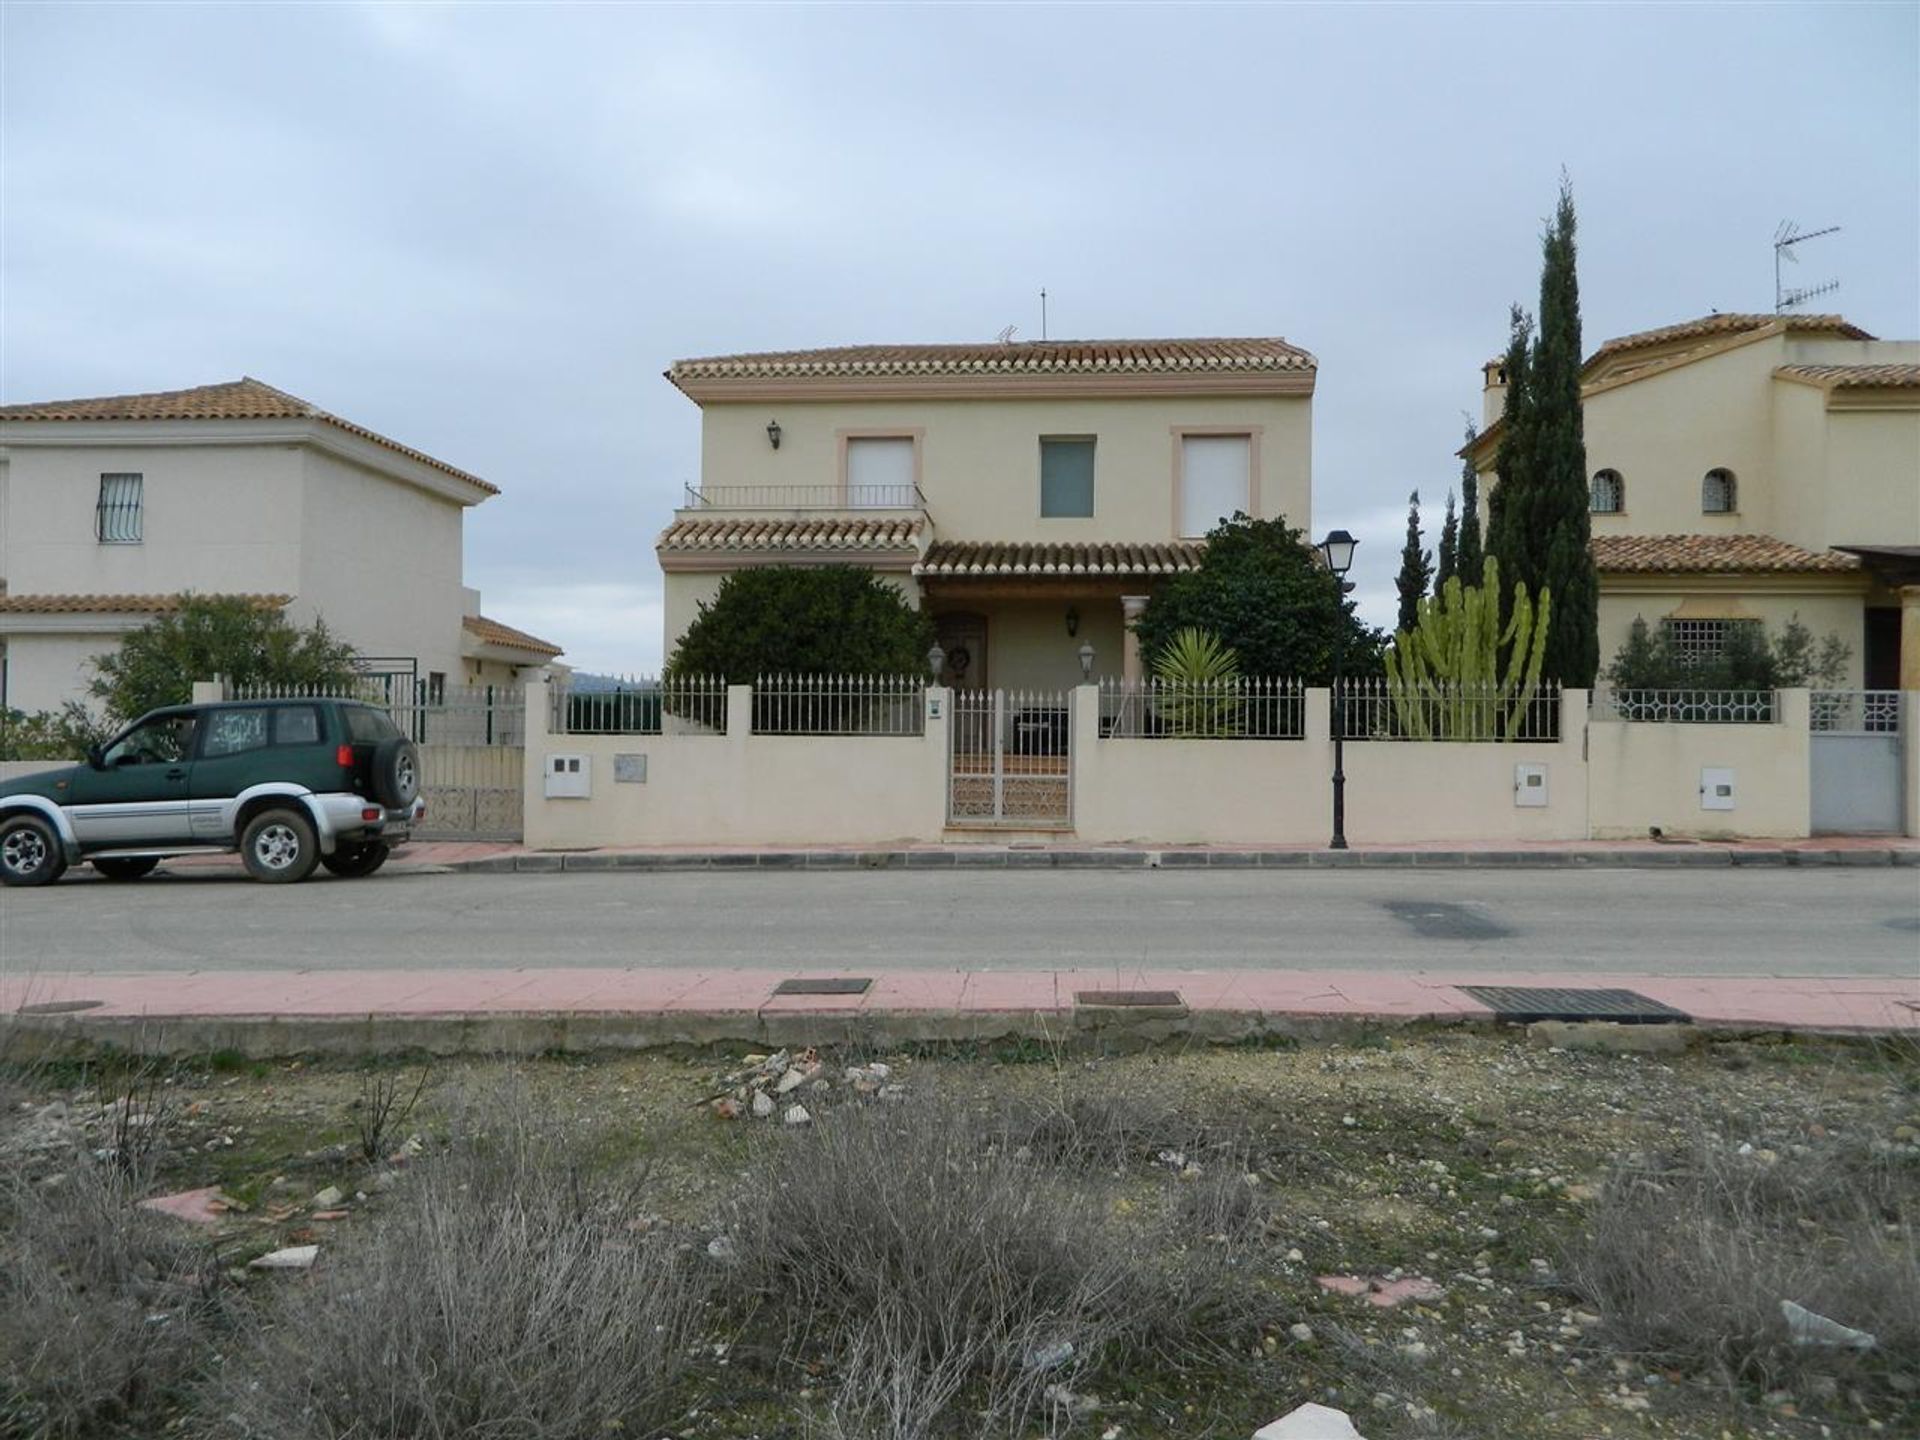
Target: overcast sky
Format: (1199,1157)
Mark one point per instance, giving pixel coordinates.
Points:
(485,231)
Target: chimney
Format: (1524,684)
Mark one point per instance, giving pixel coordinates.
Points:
(1493,399)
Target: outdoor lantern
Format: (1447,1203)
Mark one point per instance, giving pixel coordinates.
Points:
(1337,551)
(1073,621)
(936,660)
(1086,661)
(773,433)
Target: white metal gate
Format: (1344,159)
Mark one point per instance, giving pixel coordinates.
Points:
(1010,761)
(1856,765)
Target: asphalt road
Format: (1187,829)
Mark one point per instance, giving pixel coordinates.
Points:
(1682,922)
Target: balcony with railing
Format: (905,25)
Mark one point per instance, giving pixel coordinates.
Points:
(704,499)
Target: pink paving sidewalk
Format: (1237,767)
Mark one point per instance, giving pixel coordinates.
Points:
(1867,1004)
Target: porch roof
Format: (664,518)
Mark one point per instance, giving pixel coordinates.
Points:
(1712,555)
(962,558)
(816,533)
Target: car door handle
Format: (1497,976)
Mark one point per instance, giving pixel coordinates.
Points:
(176,773)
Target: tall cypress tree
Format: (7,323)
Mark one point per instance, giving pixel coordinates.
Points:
(1510,506)
(1560,527)
(1416,568)
(1471,556)
(1447,564)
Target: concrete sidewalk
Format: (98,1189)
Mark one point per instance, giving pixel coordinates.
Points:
(263,1013)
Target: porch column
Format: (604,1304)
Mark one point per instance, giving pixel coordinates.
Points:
(1910,637)
(1132,607)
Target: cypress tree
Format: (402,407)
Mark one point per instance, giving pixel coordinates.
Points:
(1560,527)
(1471,553)
(1510,506)
(1416,568)
(1448,563)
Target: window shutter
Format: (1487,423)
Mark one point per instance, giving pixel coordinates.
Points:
(1066,478)
(1215,480)
(880,472)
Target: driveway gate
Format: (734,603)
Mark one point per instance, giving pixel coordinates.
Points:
(1857,781)
(1011,761)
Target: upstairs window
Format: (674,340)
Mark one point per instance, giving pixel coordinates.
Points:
(880,472)
(1608,493)
(116,517)
(1718,493)
(1066,479)
(1216,481)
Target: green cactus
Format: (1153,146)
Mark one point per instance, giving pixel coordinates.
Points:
(1444,676)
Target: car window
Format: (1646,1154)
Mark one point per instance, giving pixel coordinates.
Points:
(232,732)
(165,740)
(368,726)
(296,725)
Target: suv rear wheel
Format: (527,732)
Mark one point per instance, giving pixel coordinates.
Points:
(127,869)
(29,852)
(352,861)
(279,846)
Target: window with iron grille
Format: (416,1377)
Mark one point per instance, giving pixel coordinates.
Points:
(116,517)
(1718,493)
(1700,642)
(1608,493)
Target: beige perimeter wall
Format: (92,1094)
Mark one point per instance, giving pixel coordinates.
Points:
(1650,775)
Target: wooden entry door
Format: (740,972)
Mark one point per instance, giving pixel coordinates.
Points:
(963,635)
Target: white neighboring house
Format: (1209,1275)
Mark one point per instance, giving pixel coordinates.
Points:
(112,509)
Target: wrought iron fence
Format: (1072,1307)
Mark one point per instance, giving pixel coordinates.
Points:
(1687,707)
(839,705)
(1376,709)
(641,705)
(905,496)
(1249,708)
(427,712)
(1856,712)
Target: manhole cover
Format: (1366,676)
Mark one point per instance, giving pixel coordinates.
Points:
(59,1007)
(1161,998)
(1523,1004)
(838,985)
(1444,920)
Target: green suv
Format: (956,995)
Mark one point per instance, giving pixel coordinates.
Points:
(290,784)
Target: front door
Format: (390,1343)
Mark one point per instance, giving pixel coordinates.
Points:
(140,793)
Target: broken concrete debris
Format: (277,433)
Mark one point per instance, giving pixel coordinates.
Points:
(765,1084)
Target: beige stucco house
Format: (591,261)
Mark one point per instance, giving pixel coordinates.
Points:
(1752,468)
(111,509)
(1030,494)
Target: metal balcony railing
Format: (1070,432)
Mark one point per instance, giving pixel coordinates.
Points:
(804,497)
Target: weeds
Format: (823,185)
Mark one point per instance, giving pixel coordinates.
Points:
(382,1109)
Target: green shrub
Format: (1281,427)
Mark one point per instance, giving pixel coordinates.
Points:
(1750,660)
(62,734)
(781,620)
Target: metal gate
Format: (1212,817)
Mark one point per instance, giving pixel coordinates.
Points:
(1010,763)
(1856,765)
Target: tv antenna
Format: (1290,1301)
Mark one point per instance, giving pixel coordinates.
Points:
(1005,337)
(1784,239)
(1043,312)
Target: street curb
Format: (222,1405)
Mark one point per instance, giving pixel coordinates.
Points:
(1676,856)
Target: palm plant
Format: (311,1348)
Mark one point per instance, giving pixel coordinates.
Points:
(1199,680)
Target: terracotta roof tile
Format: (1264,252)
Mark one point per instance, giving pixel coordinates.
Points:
(119,604)
(243,399)
(761,536)
(1710,326)
(1711,554)
(1849,377)
(990,557)
(1018,357)
(492,632)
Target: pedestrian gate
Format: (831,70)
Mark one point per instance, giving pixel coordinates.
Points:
(1856,763)
(1010,762)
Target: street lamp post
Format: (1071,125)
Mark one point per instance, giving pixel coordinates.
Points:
(1337,552)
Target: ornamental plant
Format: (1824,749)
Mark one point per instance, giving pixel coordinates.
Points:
(1457,674)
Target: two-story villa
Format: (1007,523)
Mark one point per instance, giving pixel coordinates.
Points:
(111,509)
(1029,494)
(1749,468)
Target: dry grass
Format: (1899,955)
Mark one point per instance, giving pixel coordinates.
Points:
(503,1295)
(1688,1260)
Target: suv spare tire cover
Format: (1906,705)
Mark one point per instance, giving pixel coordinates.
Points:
(396,773)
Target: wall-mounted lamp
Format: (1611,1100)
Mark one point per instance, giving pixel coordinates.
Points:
(1086,661)
(1073,621)
(773,433)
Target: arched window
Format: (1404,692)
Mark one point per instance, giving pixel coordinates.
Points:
(1718,493)
(1608,493)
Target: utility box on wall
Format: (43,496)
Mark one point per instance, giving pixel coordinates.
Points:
(1716,789)
(569,777)
(1530,785)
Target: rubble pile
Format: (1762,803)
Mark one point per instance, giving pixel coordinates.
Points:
(779,1084)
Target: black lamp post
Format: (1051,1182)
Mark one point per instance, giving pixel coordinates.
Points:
(1337,552)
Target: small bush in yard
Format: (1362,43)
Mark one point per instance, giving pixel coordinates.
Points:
(103,1307)
(502,1295)
(1688,1263)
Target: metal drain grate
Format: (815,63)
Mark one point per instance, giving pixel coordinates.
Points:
(59,1007)
(1164,999)
(1524,1004)
(834,985)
